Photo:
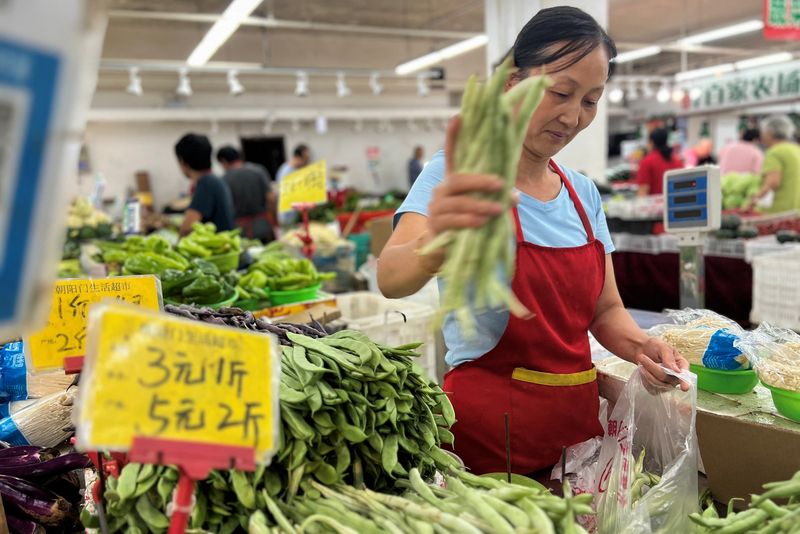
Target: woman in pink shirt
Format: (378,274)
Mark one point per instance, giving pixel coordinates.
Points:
(742,156)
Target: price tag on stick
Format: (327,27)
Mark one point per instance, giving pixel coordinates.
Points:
(303,186)
(175,391)
(62,343)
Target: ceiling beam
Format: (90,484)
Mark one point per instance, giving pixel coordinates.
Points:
(174,65)
(257,115)
(299,25)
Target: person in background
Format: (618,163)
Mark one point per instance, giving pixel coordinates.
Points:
(700,154)
(253,199)
(211,198)
(659,159)
(300,158)
(781,168)
(415,165)
(743,155)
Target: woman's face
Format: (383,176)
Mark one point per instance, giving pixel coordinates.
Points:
(569,105)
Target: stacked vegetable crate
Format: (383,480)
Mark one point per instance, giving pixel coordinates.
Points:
(776,289)
(392,322)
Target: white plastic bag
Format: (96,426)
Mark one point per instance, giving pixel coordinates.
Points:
(660,422)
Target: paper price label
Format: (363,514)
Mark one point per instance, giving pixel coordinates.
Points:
(154,375)
(65,333)
(303,186)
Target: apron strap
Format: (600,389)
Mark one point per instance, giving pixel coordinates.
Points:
(518,226)
(576,201)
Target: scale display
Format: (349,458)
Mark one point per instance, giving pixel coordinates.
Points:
(693,199)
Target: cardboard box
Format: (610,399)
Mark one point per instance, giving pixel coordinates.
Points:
(379,232)
(743,441)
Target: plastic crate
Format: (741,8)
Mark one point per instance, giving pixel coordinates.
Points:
(727,248)
(776,289)
(391,322)
(766,245)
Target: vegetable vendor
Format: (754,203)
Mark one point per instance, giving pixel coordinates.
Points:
(538,370)
(211,198)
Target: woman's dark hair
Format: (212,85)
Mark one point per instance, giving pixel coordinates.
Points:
(556,33)
(751,134)
(195,151)
(659,138)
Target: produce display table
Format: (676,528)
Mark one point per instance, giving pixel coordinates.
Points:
(744,442)
(362,218)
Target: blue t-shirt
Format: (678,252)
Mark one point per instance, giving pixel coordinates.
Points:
(551,224)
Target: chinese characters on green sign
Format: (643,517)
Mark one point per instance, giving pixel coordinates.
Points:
(779,82)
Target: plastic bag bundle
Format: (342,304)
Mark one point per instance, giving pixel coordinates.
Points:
(704,338)
(775,355)
(646,479)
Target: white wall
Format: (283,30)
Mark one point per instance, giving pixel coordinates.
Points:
(118,150)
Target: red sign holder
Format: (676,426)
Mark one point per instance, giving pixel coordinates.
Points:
(308,242)
(194,461)
(73,365)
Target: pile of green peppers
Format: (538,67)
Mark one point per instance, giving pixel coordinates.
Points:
(201,283)
(204,241)
(280,272)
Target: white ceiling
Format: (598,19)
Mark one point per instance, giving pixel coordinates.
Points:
(632,23)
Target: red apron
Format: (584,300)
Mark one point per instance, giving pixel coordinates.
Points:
(540,373)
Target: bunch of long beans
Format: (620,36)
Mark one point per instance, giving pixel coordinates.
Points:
(763,516)
(490,138)
(469,505)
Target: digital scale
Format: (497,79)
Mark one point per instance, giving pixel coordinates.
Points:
(692,209)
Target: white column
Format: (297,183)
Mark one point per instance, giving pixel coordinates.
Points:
(588,152)
(503,20)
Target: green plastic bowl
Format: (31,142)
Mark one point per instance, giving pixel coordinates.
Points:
(225,262)
(519,480)
(787,402)
(252,304)
(290,297)
(227,302)
(729,382)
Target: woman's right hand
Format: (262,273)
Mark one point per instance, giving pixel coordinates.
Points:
(452,207)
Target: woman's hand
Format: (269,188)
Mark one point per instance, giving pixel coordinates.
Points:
(452,207)
(655,353)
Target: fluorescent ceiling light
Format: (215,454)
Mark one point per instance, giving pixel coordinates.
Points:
(639,53)
(440,55)
(706,71)
(769,59)
(722,33)
(228,22)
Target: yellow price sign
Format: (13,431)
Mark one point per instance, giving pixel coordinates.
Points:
(303,186)
(65,333)
(154,375)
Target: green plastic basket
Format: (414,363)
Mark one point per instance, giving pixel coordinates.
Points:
(787,402)
(729,382)
(252,304)
(290,297)
(361,242)
(225,262)
(227,302)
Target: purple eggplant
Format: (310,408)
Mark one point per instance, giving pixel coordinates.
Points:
(33,501)
(20,450)
(56,466)
(18,525)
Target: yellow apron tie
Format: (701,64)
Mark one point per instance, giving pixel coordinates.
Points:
(554,379)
